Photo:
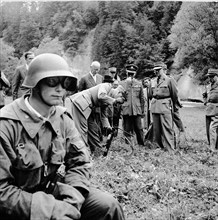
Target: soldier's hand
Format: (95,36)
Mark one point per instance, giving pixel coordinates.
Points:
(180,105)
(107,130)
(64,211)
(204,95)
(119,100)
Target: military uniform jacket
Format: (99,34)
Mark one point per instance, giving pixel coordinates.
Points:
(164,95)
(17,89)
(212,100)
(87,81)
(30,149)
(135,103)
(97,96)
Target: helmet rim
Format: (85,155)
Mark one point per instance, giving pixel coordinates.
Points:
(44,66)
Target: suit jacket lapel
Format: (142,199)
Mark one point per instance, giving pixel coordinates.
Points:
(24,71)
(98,79)
(92,81)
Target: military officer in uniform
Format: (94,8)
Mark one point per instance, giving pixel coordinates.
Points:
(164,96)
(211,102)
(133,108)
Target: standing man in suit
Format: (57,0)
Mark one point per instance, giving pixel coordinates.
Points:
(20,73)
(88,81)
(91,79)
(133,108)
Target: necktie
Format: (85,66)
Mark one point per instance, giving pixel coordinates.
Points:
(158,79)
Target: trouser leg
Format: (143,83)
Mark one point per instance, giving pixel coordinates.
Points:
(101,205)
(93,134)
(177,120)
(213,132)
(137,122)
(157,129)
(116,120)
(208,121)
(127,127)
(167,131)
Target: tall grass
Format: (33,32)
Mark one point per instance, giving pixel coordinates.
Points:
(154,184)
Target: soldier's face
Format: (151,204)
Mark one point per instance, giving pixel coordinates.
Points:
(131,74)
(158,72)
(52,95)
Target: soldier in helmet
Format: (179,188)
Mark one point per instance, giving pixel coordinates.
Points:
(38,140)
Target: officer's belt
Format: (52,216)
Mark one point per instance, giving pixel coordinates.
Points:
(166,97)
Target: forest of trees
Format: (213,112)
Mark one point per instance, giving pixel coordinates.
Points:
(182,34)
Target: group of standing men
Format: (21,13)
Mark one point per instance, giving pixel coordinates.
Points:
(161,111)
(163,107)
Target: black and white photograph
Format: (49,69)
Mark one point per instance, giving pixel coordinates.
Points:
(108,110)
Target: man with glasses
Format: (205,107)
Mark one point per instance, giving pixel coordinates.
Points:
(20,73)
(45,165)
(164,95)
(211,102)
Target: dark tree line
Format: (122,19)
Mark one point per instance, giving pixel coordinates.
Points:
(139,32)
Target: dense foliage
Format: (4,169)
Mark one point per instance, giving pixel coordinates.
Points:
(195,36)
(182,34)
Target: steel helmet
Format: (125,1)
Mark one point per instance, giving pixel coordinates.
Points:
(46,65)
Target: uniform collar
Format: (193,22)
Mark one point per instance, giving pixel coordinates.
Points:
(30,121)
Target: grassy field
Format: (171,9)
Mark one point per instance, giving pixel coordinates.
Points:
(153,184)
